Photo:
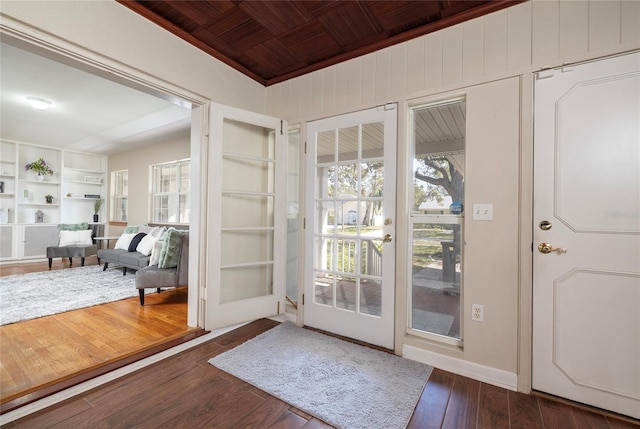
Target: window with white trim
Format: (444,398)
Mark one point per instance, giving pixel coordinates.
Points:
(119,195)
(170,192)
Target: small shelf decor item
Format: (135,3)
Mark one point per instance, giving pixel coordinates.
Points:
(97,205)
(40,167)
(48,198)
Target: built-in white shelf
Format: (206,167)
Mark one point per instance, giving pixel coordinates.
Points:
(83,182)
(39,204)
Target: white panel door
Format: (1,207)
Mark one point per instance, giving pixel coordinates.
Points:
(350,224)
(586,297)
(246,224)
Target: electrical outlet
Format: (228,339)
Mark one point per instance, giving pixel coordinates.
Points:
(477,312)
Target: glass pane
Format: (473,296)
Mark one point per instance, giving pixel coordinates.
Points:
(348,216)
(436,268)
(323,288)
(326,217)
(246,211)
(439,170)
(371,257)
(348,144)
(239,174)
(345,178)
(185,168)
(372,187)
(346,293)
(326,147)
(184,208)
(347,255)
(293,210)
(240,247)
(372,140)
(371,297)
(245,282)
(325,250)
(245,139)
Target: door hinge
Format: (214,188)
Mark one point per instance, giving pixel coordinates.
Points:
(302,299)
(278,308)
(545,74)
(304,223)
(281,126)
(305,148)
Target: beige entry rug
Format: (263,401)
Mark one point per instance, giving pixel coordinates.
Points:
(32,295)
(344,384)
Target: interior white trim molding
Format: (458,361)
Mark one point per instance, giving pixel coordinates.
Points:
(485,374)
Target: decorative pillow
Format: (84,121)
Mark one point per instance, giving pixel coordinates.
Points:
(133,229)
(73,226)
(124,241)
(171,248)
(156,231)
(75,238)
(155,253)
(135,241)
(146,244)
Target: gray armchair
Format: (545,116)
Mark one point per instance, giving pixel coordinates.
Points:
(153,277)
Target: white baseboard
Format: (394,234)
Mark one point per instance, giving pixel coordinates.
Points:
(485,374)
(103,379)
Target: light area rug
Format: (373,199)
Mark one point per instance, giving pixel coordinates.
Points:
(344,384)
(33,295)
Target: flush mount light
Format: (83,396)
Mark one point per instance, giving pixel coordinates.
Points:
(39,103)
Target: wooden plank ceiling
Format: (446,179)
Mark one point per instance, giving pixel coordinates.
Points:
(272,41)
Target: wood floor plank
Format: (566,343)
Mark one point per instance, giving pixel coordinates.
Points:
(462,410)
(556,414)
(431,407)
(615,423)
(588,420)
(494,408)
(288,420)
(524,411)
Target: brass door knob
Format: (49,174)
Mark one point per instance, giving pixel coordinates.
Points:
(547,248)
(387,238)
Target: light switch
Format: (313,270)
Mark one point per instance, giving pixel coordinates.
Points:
(483,212)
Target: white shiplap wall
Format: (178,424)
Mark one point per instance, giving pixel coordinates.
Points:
(477,55)
(509,42)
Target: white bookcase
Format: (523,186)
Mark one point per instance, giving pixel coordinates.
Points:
(78,178)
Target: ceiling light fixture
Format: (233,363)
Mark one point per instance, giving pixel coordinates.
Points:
(39,103)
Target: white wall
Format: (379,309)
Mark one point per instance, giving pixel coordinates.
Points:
(475,58)
(138,163)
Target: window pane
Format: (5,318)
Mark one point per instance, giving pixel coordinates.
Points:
(437,218)
(171,184)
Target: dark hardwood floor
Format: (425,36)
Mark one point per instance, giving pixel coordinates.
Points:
(185,391)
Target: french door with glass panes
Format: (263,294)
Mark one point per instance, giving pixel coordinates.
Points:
(247,219)
(350,212)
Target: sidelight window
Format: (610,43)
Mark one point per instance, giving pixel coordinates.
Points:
(437,219)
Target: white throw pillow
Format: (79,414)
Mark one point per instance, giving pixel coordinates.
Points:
(75,238)
(155,253)
(146,244)
(124,241)
(156,231)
